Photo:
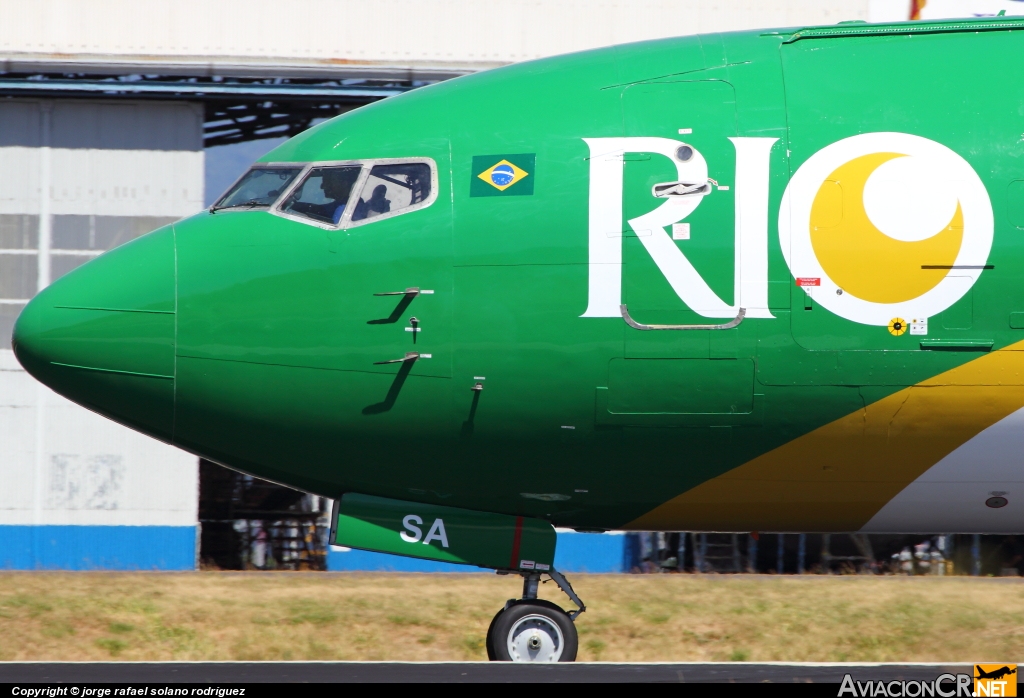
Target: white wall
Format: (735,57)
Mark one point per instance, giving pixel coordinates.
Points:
(63,465)
(354,34)
(87,176)
(103,182)
(944,9)
(899,10)
(888,10)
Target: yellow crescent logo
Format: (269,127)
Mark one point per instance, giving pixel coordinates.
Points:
(887,225)
(863,260)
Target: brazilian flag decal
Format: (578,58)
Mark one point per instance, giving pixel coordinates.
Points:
(503,175)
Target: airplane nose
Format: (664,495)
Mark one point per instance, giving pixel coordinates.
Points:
(103,335)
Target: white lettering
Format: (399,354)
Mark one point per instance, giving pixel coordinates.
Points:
(753,157)
(990,687)
(913,689)
(437,532)
(606,227)
(944,678)
(847,686)
(409,522)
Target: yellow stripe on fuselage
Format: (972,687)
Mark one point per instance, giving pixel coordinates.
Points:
(838,476)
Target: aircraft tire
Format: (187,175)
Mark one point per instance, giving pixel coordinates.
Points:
(490,635)
(532,631)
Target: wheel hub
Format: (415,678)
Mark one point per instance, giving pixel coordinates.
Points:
(535,638)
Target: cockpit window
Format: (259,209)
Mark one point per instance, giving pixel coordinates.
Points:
(259,187)
(323,194)
(391,188)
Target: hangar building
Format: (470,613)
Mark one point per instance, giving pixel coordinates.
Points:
(106,109)
(78,177)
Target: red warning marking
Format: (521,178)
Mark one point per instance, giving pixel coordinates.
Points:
(516,538)
(808,281)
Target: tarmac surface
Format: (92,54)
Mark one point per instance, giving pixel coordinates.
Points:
(214,673)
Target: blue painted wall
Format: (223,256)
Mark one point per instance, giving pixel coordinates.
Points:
(174,548)
(575,552)
(98,547)
(592,552)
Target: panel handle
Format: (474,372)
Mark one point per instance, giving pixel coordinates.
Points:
(409,356)
(727,326)
(674,190)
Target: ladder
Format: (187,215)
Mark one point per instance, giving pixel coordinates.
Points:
(863,544)
(717,552)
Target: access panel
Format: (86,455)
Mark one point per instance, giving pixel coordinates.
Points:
(678,233)
(679,392)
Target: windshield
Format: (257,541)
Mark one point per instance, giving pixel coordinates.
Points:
(391,188)
(324,194)
(259,187)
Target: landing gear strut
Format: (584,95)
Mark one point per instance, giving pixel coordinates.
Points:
(533,630)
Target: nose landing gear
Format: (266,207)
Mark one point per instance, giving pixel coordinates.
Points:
(533,630)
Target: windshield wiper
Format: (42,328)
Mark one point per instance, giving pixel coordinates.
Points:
(251,203)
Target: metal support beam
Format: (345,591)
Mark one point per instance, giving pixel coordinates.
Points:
(236,109)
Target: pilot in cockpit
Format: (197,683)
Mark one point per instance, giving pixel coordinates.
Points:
(337,186)
(377,204)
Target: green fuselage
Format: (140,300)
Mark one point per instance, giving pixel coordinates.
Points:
(254,339)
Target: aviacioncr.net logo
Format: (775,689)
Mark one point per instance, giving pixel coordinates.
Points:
(893,225)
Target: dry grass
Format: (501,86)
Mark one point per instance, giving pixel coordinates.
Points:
(280,616)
